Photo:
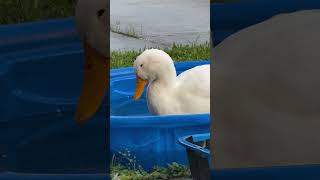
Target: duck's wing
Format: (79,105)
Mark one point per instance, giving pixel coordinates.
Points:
(195,82)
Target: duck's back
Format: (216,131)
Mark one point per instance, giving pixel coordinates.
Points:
(193,88)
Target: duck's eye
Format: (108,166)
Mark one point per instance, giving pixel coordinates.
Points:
(100,12)
(141,65)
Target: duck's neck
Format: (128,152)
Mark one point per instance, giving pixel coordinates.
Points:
(162,85)
(166,79)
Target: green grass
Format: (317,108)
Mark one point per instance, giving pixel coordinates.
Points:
(173,170)
(177,52)
(19,11)
(124,166)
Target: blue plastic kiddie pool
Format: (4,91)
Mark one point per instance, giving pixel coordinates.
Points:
(152,139)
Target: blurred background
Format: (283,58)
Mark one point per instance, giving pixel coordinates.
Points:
(19,11)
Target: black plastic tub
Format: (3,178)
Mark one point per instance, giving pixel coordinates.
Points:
(197,147)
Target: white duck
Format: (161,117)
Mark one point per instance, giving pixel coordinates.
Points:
(167,93)
(91,22)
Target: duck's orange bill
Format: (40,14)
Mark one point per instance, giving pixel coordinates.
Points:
(140,84)
(95,82)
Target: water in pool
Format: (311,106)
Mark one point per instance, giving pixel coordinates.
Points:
(126,106)
(52,143)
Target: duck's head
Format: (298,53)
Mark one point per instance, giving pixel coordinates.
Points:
(91,24)
(152,65)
